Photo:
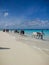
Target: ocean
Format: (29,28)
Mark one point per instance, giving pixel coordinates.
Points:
(30,31)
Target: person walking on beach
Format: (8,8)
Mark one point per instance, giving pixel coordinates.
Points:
(42,34)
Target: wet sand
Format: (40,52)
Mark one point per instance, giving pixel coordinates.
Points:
(18,50)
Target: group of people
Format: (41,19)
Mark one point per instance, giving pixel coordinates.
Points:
(5,30)
(21,31)
(15,31)
(35,34)
(38,35)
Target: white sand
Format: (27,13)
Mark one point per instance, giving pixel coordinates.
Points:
(21,52)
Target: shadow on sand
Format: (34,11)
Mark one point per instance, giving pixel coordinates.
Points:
(2,48)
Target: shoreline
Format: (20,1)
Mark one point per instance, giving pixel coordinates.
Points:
(22,50)
(37,42)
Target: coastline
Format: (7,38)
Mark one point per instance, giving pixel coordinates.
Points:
(34,43)
(23,50)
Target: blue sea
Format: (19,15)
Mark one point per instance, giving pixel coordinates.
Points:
(30,31)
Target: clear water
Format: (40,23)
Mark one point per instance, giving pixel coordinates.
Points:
(30,31)
(46,33)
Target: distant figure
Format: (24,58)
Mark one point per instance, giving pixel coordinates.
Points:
(22,32)
(16,31)
(42,33)
(38,35)
(35,34)
(7,30)
(3,30)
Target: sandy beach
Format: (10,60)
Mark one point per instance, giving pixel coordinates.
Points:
(21,50)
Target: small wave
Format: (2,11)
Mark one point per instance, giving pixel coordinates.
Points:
(44,50)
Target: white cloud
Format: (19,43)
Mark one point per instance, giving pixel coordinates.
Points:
(36,24)
(6,14)
(24,23)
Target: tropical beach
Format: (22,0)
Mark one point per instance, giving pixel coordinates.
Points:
(24,32)
(16,49)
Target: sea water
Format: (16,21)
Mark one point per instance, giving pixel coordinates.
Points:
(30,32)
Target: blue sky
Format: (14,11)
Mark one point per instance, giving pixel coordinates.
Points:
(24,14)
